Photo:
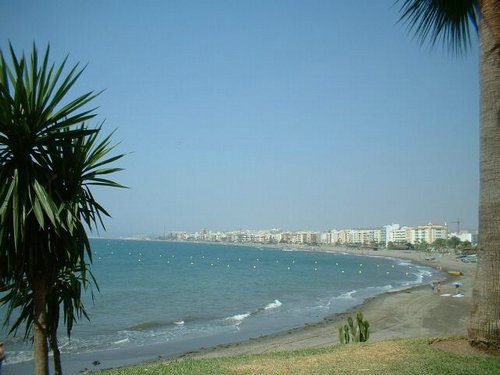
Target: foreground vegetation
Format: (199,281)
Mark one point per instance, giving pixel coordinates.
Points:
(408,356)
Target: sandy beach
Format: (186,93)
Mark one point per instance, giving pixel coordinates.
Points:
(408,313)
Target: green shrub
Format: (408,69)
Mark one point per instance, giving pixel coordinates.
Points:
(355,332)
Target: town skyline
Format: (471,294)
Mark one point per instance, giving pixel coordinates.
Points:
(343,235)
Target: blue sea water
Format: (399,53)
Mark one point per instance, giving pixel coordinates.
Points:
(154,292)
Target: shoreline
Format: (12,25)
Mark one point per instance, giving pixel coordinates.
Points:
(413,312)
(410,312)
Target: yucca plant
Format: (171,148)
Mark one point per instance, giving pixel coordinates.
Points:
(49,159)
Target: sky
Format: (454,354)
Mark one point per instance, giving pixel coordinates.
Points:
(300,115)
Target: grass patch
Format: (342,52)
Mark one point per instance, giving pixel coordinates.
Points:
(393,357)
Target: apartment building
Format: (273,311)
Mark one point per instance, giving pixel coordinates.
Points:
(428,233)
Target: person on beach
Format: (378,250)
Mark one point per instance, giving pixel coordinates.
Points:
(439,287)
(2,356)
(433,287)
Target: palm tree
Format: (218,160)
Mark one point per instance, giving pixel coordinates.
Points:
(66,292)
(453,22)
(48,160)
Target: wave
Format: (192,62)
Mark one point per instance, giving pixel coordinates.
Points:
(19,356)
(121,341)
(155,324)
(343,296)
(420,275)
(355,296)
(273,305)
(347,295)
(146,325)
(238,318)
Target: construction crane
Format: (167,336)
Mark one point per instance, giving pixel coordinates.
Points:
(458,225)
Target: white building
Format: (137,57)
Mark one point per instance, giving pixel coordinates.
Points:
(401,235)
(386,234)
(462,236)
(428,233)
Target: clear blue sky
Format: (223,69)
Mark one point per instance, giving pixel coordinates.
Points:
(260,114)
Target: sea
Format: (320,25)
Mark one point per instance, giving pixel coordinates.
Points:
(178,294)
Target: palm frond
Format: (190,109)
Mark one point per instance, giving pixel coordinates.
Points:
(448,21)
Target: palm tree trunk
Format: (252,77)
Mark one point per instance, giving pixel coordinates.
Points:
(57,354)
(52,325)
(484,324)
(40,326)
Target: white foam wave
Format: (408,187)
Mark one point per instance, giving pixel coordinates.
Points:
(273,305)
(19,356)
(381,289)
(238,318)
(179,323)
(347,295)
(343,296)
(121,341)
(421,274)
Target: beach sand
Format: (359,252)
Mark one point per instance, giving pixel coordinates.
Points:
(408,313)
